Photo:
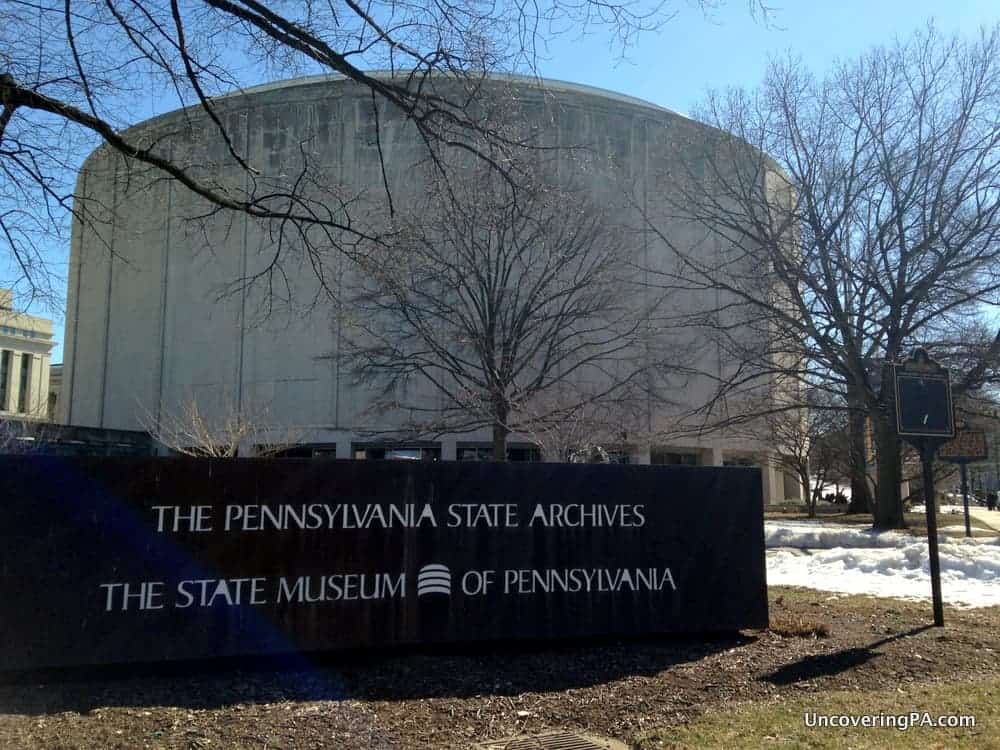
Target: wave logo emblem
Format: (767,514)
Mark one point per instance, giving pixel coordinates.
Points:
(434,579)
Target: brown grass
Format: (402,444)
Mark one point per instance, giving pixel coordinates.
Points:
(789,625)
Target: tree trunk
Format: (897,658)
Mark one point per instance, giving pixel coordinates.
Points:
(807,490)
(861,500)
(500,432)
(889,504)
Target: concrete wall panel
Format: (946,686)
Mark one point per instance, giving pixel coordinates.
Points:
(90,303)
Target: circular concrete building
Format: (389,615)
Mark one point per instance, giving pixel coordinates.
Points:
(157,318)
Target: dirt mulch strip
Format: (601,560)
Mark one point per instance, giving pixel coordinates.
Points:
(451,698)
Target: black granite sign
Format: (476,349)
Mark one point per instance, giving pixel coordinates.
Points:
(106,560)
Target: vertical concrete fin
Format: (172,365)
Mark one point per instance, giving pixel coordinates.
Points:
(107,306)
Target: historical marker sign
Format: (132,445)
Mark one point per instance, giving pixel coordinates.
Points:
(108,560)
(923,399)
(968,445)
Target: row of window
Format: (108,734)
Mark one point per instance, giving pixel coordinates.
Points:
(410,452)
(482,452)
(7,364)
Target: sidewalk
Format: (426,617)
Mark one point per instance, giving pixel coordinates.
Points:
(991,519)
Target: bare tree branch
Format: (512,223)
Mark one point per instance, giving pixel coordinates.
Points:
(492,303)
(75,75)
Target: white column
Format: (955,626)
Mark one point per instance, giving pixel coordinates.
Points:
(551,457)
(449,450)
(38,401)
(45,379)
(344,447)
(641,455)
(710,456)
(14,384)
(773,484)
(803,491)
(904,489)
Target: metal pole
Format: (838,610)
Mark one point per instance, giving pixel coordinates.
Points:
(965,498)
(927,457)
(996,461)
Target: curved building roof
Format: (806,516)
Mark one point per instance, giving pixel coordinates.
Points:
(547,84)
(543,85)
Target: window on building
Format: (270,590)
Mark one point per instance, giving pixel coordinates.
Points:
(660,457)
(529,453)
(299,451)
(473,453)
(22,391)
(5,357)
(516,452)
(396,452)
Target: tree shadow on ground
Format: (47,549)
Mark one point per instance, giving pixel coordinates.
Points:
(827,665)
(397,674)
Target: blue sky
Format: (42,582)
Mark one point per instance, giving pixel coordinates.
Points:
(695,52)
(698,51)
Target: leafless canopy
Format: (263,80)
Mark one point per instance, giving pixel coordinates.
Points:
(75,73)
(573,421)
(807,440)
(494,303)
(859,216)
(226,432)
(17,437)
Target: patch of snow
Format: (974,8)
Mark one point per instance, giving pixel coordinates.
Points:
(808,535)
(850,560)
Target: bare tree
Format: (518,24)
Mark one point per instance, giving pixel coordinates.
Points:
(829,462)
(223,434)
(493,302)
(857,216)
(16,437)
(26,434)
(570,422)
(805,441)
(74,75)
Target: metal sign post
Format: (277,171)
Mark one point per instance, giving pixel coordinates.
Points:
(968,445)
(927,464)
(965,497)
(925,419)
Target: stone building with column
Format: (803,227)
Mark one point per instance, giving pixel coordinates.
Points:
(25,349)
